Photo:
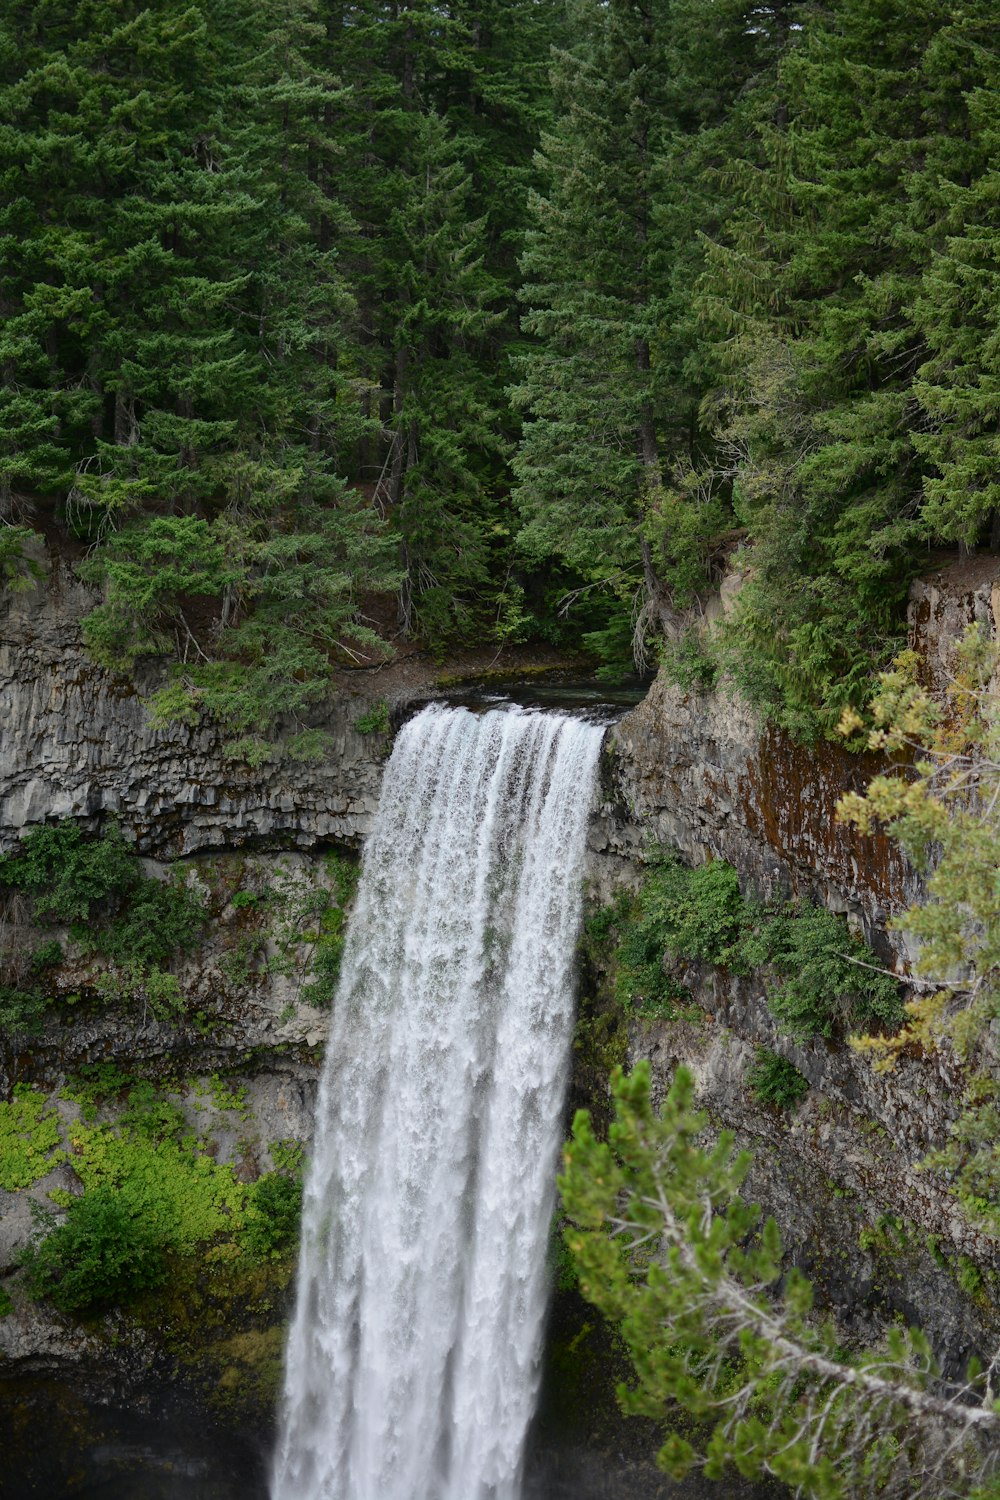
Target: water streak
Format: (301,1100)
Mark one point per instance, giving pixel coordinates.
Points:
(412,1364)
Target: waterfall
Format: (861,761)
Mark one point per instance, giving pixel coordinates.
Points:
(413,1357)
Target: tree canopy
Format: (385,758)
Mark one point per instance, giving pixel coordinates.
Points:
(535,318)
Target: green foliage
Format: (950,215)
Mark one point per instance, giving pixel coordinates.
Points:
(262,349)
(17,572)
(140,925)
(272,1215)
(95,1083)
(826,977)
(667,1248)
(774,1080)
(374,720)
(692,662)
(21,1011)
(103,1254)
(288,1156)
(152,1191)
(640,977)
(823,984)
(226,1098)
(69,874)
(162,919)
(30,1141)
(158,992)
(162,1177)
(941,806)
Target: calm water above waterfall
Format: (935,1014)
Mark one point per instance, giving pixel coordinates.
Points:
(413,1356)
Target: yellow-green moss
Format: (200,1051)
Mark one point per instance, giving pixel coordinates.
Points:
(29,1139)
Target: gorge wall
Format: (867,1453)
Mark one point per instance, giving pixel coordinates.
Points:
(695,773)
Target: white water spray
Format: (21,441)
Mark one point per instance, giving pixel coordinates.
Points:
(413,1357)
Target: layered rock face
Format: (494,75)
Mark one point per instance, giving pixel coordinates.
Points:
(696,773)
(699,773)
(76,741)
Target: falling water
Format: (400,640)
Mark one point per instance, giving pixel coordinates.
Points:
(412,1364)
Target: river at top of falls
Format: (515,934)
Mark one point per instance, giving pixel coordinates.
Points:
(413,1357)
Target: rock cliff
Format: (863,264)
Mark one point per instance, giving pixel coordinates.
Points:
(696,773)
(76,741)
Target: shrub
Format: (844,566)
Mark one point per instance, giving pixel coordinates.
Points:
(822,988)
(827,977)
(17,570)
(774,1080)
(104,1253)
(374,720)
(160,1174)
(21,1011)
(272,1218)
(162,919)
(69,874)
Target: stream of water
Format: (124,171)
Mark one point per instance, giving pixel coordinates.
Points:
(413,1356)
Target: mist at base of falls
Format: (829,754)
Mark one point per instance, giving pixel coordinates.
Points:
(413,1357)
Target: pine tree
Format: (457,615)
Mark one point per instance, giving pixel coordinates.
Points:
(814,293)
(430,137)
(611,390)
(179,272)
(953,202)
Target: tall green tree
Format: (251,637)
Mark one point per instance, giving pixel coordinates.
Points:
(667,1248)
(953,200)
(612,386)
(436,136)
(175,334)
(819,296)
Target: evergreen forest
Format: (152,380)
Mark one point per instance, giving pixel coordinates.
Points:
(328,324)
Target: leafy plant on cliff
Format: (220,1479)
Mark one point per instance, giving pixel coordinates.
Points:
(825,983)
(152,1190)
(824,976)
(30,1141)
(774,1080)
(161,920)
(96,886)
(103,1254)
(69,874)
(942,805)
(17,571)
(274,1206)
(667,1248)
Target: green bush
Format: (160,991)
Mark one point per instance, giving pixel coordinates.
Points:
(17,571)
(641,981)
(821,987)
(162,919)
(374,720)
(104,1253)
(68,873)
(826,976)
(774,1080)
(272,1219)
(29,1138)
(21,1011)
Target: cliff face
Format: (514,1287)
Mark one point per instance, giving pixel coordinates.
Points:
(697,773)
(76,742)
(843,1173)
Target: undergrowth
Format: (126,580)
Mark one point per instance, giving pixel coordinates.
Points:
(153,1196)
(818,975)
(774,1080)
(95,886)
